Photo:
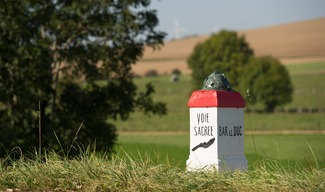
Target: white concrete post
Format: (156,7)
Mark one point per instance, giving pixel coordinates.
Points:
(216,131)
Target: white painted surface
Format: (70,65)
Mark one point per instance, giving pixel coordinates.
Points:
(226,127)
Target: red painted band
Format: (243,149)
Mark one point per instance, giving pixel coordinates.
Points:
(214,98)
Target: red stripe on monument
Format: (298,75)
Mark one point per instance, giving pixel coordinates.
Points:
(214,98)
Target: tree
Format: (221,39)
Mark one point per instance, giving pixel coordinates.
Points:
(268,82)
(52,52)
(225,52)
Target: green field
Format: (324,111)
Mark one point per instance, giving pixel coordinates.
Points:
(286,149)
(306,69)
(309,92)
(309,85)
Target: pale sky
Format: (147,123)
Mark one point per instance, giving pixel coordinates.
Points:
(207,16)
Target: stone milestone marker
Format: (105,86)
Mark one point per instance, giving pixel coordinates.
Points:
(216,127)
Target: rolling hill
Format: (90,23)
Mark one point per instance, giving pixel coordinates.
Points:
(291,43)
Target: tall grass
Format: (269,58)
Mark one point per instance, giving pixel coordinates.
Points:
(93,172)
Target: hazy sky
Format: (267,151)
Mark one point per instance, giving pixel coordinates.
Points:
(207,16)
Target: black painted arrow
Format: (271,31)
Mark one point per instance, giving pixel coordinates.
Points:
(204,144)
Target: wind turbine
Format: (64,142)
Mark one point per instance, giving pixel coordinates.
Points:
(216,29)
(176,32)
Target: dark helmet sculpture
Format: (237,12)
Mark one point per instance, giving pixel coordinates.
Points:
(216,81)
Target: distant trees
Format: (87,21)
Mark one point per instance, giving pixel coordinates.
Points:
(224,52)
(47,48)
(176,71)
(151,73)
(266,79)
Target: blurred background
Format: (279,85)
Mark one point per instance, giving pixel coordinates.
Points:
(291,31)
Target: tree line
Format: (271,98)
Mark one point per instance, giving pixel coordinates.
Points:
(258,79)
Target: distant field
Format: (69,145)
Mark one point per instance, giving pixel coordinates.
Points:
(291,43)
(300,39)
(306,69)
(309,86)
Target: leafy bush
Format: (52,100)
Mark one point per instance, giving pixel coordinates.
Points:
(48,47)
(176,71)
(268,82)
(151,73)
(224,52)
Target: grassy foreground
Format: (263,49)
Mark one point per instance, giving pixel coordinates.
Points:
(91,172)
